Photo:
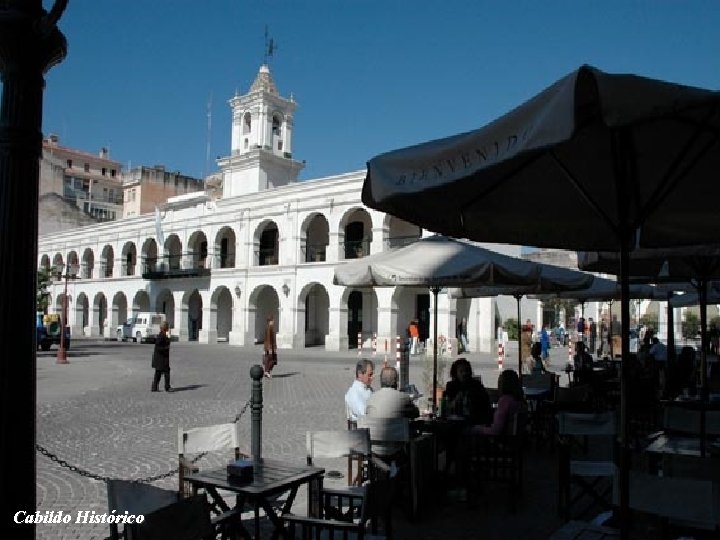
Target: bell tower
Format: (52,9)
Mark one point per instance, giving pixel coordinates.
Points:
(261,140)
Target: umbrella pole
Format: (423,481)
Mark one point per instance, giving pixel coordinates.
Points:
(609,327)
(670,331)
(519,328)
(435,291)
(702,296)
(624,483)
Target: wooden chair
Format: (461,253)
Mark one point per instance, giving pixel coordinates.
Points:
(166,515)
(363,505)
(685,499)
(354,462)
(388,436)
(542,417)
(307,528)
(214,438)
(389,442)
(497,458)
(681,420)
(423,473)
(587,461)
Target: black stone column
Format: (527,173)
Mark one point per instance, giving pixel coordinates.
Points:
(30,44)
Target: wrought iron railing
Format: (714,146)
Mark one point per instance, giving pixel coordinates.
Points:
(176,265)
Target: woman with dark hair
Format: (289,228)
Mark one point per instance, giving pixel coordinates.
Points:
(511,401)
(466,395)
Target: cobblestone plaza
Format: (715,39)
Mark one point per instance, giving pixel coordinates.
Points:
(98,414)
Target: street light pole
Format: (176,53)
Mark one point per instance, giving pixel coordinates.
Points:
(70,272)
(62,353)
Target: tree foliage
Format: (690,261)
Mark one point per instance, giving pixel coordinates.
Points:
(691,325)
(650,320)
(42,298)
(511,327)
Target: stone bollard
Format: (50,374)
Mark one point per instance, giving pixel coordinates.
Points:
(256,405)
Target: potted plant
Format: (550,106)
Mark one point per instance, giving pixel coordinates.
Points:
(442,364)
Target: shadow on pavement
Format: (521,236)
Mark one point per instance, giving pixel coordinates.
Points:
(284,375)
(188,387)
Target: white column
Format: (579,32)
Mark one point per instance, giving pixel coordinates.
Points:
(180,317)
(336,338)
(208,333)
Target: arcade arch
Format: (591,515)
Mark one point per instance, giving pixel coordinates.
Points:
(314,238)
(313,314)
(262,303)
(356,233)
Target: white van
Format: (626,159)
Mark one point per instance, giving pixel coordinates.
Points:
(141,327)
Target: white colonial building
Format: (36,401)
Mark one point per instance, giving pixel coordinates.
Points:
(217,267)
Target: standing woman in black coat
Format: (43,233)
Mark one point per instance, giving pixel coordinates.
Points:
(161,358)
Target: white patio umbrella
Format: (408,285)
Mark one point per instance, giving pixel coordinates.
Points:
(696,266)
(634,158)
(550,279)
(607,290)
(436,262)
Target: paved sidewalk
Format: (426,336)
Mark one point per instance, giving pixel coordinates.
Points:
(98,414)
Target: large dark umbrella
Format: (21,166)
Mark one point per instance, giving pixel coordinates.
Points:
(635,160)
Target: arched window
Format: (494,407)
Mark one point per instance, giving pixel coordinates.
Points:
(276,125)
(247,123)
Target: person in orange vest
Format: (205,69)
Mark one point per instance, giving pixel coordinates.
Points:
(414,332)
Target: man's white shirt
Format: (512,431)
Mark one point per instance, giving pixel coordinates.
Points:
(356,400)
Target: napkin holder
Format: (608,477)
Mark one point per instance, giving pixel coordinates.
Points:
(240,470)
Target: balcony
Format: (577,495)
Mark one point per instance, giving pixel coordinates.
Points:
(186,265)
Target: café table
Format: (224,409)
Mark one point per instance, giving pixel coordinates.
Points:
(668,444)
(270,478)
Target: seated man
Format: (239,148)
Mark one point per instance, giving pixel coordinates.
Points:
(389,402)
(357,395)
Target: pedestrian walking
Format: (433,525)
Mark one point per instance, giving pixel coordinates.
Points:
(161,358)
(414,332)
(270,347)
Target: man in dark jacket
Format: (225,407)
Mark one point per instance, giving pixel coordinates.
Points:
(161,358)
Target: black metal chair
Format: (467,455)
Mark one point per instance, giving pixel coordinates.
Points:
(587,465)
(497,458)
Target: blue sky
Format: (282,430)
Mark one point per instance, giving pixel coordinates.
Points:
(369,76)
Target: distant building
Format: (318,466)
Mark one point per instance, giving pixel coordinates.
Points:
(256,242)
(91,182)
(147,187)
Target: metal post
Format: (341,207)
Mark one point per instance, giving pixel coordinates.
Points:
(435,291)
(256,405)
(30,44)
(518,297)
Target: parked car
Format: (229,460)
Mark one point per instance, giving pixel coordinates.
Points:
(48,331)
(141,327)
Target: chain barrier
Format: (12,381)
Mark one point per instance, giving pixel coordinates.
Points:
(147,480)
